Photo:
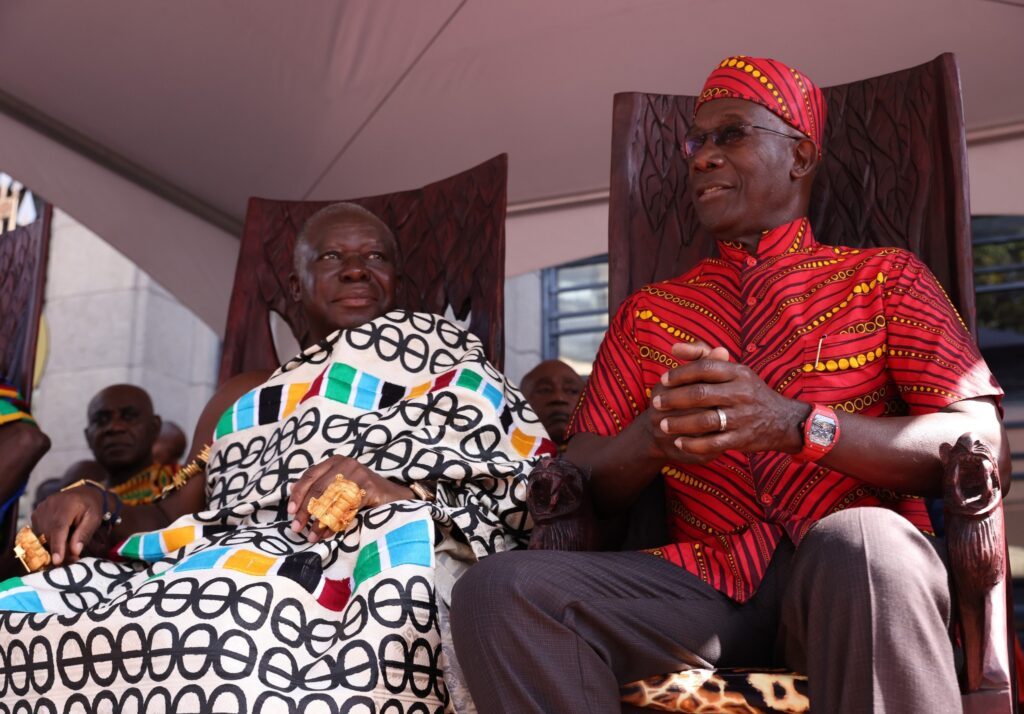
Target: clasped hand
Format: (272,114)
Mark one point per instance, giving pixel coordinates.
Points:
(318,477)
(685,424)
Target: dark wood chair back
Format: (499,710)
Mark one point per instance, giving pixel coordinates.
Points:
(894,173)
(451,235)
(24,253)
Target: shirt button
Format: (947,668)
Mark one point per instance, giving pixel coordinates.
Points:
(751,347)
(751,301)
(766,499)
(751,261)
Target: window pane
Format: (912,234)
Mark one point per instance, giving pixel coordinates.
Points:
(593,322)
(581,300)
(583,275)
(1001,313)
(568,291)
(579,350)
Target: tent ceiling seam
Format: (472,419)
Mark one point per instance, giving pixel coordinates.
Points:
(55,130)
(394,87)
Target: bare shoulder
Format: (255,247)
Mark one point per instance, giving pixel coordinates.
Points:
(86,468)
(226,395)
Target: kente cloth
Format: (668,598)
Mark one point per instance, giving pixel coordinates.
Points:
(12,406)
(227,610)
(863,331)
(782,90)
(146,486)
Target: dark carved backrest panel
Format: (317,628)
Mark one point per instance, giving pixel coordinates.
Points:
(451,235)
(23,257)
(894,174)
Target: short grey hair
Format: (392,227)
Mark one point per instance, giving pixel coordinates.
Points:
(342,209)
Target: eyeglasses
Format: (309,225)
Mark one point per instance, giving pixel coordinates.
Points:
(727,135)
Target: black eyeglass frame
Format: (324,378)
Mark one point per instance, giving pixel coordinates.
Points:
(717,136)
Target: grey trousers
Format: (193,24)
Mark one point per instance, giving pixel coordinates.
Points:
(862,607)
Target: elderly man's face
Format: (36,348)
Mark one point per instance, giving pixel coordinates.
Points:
(553,389)
(743,188)
(346,274)
(122,427)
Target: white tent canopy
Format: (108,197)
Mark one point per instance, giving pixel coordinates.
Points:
(153,122)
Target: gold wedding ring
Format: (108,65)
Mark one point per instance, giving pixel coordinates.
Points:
(30,549)
(338,505)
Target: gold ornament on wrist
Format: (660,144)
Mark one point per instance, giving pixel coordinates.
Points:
(184,474)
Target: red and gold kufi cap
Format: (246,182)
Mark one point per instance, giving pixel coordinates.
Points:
(782,90)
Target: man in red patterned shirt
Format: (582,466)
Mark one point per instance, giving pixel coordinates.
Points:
(795,397)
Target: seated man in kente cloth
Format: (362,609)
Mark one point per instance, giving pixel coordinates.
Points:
(809,391)
(239,604)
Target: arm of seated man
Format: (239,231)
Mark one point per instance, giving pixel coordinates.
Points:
(71,520)
(22,445)
(681,425)
(898,453)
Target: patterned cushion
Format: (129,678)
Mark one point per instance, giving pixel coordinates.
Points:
(721,691)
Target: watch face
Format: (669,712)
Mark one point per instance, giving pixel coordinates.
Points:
(823,430)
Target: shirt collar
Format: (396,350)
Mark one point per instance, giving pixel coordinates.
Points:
(787,238)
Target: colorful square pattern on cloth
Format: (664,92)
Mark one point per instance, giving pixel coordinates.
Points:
(12,407)
(16,596)
(356,388)
(406,545)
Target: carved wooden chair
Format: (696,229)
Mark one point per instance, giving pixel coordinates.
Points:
(894,174)
(23,257)
(451,235)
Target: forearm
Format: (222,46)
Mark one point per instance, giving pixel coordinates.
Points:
(190,498)
(903,453)
(620,466)
(22,445)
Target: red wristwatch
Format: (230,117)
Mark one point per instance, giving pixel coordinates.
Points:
(821,432)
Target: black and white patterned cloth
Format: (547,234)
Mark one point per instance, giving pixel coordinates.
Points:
(229,611)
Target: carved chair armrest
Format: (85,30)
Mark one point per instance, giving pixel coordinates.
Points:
(977,560)
(558,496)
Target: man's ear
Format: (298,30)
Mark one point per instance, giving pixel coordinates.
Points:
(805,159)
(293,287)
(155,423)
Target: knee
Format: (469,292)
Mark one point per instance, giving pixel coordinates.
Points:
(483,582)
(873,545)
(502,582)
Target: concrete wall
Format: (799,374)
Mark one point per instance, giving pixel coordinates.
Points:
(109,322)
(522,325)
(997,175)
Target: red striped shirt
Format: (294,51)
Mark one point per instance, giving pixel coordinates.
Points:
(864,331)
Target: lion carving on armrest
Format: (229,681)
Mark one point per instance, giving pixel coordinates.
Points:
(558,496)
(976,541)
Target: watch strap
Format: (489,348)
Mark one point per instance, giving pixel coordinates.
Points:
(821,420)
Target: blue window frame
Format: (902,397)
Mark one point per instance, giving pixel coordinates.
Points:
(575,311)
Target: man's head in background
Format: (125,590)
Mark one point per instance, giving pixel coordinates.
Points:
(169,447)
(553,388)
(121,430)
